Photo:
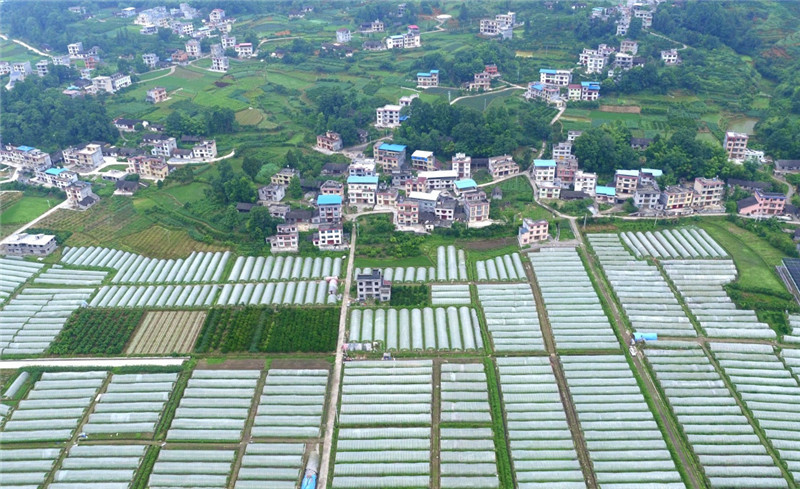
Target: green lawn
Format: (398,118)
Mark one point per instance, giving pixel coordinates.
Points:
(755,259)
(26,209)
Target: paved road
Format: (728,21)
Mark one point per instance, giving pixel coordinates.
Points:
(171,71)
(93,362)
(62,205)
(484,93)
(336,379)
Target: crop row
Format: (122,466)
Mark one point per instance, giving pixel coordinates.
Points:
(96,332)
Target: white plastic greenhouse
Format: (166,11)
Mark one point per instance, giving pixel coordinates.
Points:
(155,296)
(53,408)
(700,282)
(506,267)
(98,467)
(573,308)
(291,404)
(446,295)
(15,271)
(643,292)
(277,293)
(769,391)
(272,268)
(673,243)
(395,398)
(191,468)
(541,443)
(511,317)
(730,452)
(199,418)
(32,320)
(27,467)
(57,275)
(272,465)
(131,404)
(417,329)
(624,442)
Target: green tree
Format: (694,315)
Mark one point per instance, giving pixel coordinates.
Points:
(251,166)
(294,191)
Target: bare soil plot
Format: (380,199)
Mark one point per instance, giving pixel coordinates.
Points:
(167,332)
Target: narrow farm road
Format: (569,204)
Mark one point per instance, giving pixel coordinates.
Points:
(683,46)
(789,192)
(482,94)
(171,71)
(659,403)
(336,378)
(25,45)
(62,205)
(110,362)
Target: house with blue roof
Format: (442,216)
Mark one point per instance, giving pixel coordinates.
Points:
(56,177)
(606,194)
(544,171)
(28,158)
(429,79)
(329,209)
(362,190)
(465,185)
(390,157)
(559,78)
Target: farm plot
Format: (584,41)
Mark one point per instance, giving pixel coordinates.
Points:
(98,466)
(254,269)
(506,267)
(58,275)
(573,307)
(794,330)
(466,453)
(417,329)
(272,465)
(384,437)
(673,243)
(726,445)
(15,273)
(131,404)
(214,406)
(511,317)
(133,268)
(166,332)
(541,443)
(53,408)
(770,393)
(624,442)
(26,467)
(291,404)
(319,292)
(700,283)
(641,289)
(32,320)
(155,296)
(445,295)
(96,332)
(451,266)
(192,468)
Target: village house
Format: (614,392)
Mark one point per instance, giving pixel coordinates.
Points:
(623,61)
(390,157)
(605,194)
(502,166)
(62,60)
(423,161)
(427,200)
(708,192)
(42,68)
(126,125)
(244,50)
(762,204)
(75,49)
(445,210)
(361,190)
(332,187)
(544,171)
(26,157)
(559,78)
(56,177)
(205,149)
(334,169)
(125,188)
(400,178)
(228,42)
(676,199)
(409,40)
(90,155)
(428,79)
(573,135)
(220,63)
(286,240)
(406,213)
(216,16)
(590,91)
(547,190)
(284,176)
(156,95)
(476,210)
(111,84)
(647,196)
(565,171)
(670,57)
(150,59)
(549,93)
(343,35)
(735,144)
(329,236)
(148,167)
(330,141)
(462,165)
(502,25)
(532,231)
(24,244)
(164,147)
(80,195)
(271,193)
(193,49)
(464,185)
(628,46)
(625,183)
(329,208)
(783,167)
(371,285)
(388,116)
(373,46)
(405,101)
(438,179)
(481,81)
(386,197)
(562,150)
(361,167)
(279,211)
(642,13)
(585,182)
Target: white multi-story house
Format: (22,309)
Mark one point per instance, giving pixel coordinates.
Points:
(26,157)
(623,61)
(585,182)
(24,244)
(286,240)
(343,35)
(560,78)
(670,57)
(562,150)
(205,149)
(220,63)
(62,60)
(502,166)
(595,63)
(150,59)
(90,156)
(216,16)
(462,165)
(193,48)
(228,42)
(388,116)
(113,83)
(244,50)
(735,144)
(56,177)
(361,190)
(429,79)
(532,231)
(631,47)
(75,49)
(544,171)
(42,68)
